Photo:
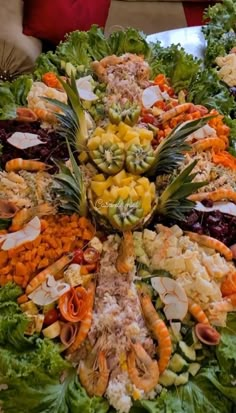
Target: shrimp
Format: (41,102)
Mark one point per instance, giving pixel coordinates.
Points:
(94,373)
(142,370)
(125,260)
(25,115)
(85,324)
(217,195)
(208,143)
(26,214)
(53,269)
(173,296)
(232,298)
(210,242)
(18,164)
(159,330)
(45,115)
(165,116)
(7,209)
(228,285)
(197,313)
(222,306)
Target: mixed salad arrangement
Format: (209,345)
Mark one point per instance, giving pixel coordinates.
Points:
(118,226)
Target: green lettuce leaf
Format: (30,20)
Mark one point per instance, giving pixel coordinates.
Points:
(129,40)
(20,88)
(206,89)
(7,102)
(175,63)
(46,62)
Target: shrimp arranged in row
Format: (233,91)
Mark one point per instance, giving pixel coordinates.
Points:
(158,328)
(210,242)
(93,372)
(208,143)
(142,370)
(53,269)
(217,195)
(177,110)
(228,287)
(125,259)
(26,214)
(19,164)
(197,312)
(85,324)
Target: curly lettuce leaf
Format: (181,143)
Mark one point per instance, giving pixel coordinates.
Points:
(20,88)
(129,40)
(46,62)
(175,63)
(206,89)
(7,102)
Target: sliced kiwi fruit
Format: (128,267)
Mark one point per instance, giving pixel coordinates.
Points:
(139,158)
(109,157)
(125,214)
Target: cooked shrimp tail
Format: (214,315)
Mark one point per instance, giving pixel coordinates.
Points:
(142,370)
(228,285)
(177,110)
(125,259)
(26,214)
(197,312)
(19,164)
(94,373)
(210,242)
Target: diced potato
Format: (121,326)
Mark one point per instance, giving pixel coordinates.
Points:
(99,178)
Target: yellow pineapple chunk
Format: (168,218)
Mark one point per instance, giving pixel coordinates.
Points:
(112,128)
(144,182)
(127,181)
(135,141)
(133,194)
(124,192)
(98,131)
(130,135)
(108,137)
(145,134)
(83,156)
(94,142)
(123,129)
(99,187)
(153,190)
(106,197)
(117,179)
(109,181)
(140,190)
(147,203)
(114,193)
(99,178)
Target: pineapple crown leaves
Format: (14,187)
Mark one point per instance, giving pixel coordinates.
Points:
(73,124)
(72,191)
(170,152)
(173,201)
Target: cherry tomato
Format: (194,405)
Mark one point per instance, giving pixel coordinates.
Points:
(148,118)
(91,255)
(50,317)
(78,257)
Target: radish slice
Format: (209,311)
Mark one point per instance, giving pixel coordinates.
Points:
(224,207)
(85,88)
(49,291)
(173,295)
(24,140)
(207,334)
(29,233)
(151,95)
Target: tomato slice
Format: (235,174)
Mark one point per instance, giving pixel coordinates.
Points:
(78,257)
(91,255)
(74,304)
(50,317)
(148,118)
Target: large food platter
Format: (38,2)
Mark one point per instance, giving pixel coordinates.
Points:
(118,225)
(191,38)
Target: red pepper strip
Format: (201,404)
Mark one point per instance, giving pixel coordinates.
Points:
(74,304)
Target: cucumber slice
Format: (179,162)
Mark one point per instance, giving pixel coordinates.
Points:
(182,379)
(175,331)
(167,378)
(187,352)
(178,363)
(194,368)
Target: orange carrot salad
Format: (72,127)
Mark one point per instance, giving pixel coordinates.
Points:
(59,235)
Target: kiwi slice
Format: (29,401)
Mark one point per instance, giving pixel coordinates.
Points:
(139,158)
(125,214)
(109,157)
